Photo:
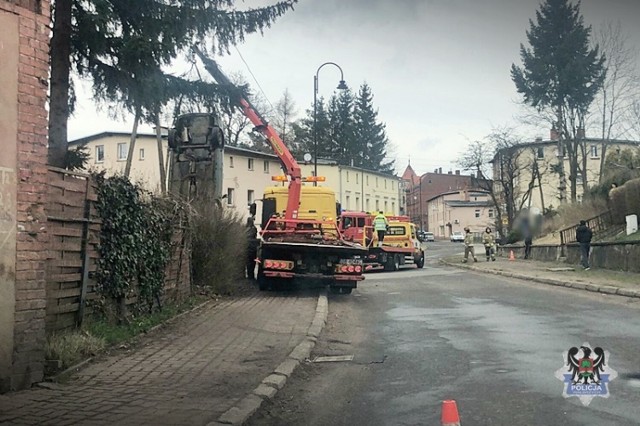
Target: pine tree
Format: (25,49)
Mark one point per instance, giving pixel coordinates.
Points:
(125,46)
(341,144)
(303,132)
(370,135)
(561,75)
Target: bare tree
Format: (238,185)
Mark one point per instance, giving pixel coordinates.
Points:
(620,88)
(233,121)
(285,113)
(500,156)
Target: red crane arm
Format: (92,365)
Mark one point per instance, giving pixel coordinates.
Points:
(291,167)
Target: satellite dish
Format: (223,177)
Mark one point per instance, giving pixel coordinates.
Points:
(307,157)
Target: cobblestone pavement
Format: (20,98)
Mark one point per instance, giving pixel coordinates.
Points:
(594,279)
(187,373)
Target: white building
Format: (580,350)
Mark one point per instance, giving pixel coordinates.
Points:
(246,173)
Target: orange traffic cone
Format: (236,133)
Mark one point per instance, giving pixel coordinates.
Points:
(450,415)
(511,256)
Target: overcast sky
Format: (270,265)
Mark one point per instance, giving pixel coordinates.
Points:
(439,69)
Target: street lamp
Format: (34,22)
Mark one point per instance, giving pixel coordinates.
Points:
(341,86)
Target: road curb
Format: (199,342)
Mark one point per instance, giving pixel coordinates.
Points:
(594,288)
(270,385)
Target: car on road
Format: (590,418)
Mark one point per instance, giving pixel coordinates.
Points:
(428,236)
(457,237)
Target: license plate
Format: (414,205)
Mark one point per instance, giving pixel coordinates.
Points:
(351,261)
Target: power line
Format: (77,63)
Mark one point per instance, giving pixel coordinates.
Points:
(254,77)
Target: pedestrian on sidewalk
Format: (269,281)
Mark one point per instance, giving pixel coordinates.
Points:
(489,242)
(252,249)
(380,224)
(468,246)
(528,241)
(583,236)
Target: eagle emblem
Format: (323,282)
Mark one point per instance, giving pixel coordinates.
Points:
(586,373)
(585,370)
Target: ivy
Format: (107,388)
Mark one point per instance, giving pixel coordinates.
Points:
(135,240)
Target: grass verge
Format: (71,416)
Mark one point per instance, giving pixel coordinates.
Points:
(67,348)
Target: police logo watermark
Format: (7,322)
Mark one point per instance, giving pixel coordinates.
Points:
(586,374)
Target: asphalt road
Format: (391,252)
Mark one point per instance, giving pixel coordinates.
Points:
(493,344)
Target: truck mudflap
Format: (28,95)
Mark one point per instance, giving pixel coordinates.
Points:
(291,275)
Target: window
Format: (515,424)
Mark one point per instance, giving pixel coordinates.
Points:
(265,166)
(122,151)
(594,151)
(357,201)
(141,153)
(376,181)
(540,152)
(386,206)
(356,178)
(347,176)
(231,162)
(250,196)
(377,205)
(490,213)
(393,206)
(230,195)
(250,163)
(367,179)
(477,213)
(348,202)
(393,185)
(367,205)
(385,184)
(99,153)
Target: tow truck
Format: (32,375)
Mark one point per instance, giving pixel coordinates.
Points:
(299,242)
(401,245)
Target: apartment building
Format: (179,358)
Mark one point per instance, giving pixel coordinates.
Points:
(246,173)
(453,211)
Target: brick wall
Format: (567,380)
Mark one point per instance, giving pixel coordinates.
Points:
(31,236)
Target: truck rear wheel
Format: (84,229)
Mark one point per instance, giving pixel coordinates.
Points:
(336,289)
(420,261)
(393,263)
(264,283)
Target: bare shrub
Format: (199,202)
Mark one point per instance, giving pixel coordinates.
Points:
(571,214)
(219,247)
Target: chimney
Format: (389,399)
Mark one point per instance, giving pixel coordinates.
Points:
(538,139)
(450,172)
(554,135)
(580,133)
(458,172)
(440,170)
(472,175)
(435,171)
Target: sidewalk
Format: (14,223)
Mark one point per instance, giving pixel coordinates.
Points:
(188,373)
(596,280)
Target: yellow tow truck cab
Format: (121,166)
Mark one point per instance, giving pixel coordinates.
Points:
(316,203)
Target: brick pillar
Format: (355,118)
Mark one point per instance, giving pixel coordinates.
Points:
(24,48)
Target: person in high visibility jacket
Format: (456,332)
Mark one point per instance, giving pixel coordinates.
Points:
(380,224)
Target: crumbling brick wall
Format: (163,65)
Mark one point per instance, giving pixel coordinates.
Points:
(29,179)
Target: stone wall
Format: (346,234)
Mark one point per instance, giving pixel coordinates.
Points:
(616,256)
(24,49)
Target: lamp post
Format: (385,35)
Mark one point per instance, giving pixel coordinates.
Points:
(341,86)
